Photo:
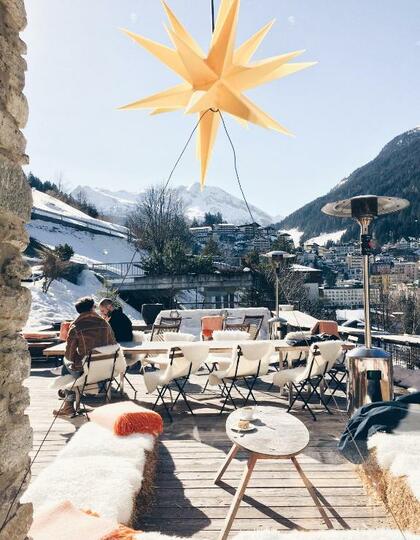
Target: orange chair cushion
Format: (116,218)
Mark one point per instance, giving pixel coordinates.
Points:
(326,327)
(125,418)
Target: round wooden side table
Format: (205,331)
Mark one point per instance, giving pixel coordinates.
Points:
(277,435)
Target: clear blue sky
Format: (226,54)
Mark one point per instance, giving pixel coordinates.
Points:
(364,91)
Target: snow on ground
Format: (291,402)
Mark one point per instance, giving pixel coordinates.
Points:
(323,238)
(89,248)
(42,202)
(296,235)
(350,314)
(58,303)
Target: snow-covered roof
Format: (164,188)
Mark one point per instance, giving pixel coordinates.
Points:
(302,268)
(298,319)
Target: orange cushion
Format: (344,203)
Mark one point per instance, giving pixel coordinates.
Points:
(125,418)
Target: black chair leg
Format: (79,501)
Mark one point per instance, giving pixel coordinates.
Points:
(250,388)
(299,394)
(228,395)
(183,395)
(161,393)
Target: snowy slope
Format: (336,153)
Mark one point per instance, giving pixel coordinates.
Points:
(48,206)
(58,303)
(295,234)
(89,248)
(197,202)
(323,238)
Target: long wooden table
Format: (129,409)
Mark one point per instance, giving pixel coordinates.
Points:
(163,347)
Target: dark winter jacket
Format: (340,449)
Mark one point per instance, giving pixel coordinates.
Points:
(88,331)
(121,325)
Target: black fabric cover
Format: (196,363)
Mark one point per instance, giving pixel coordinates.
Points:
(311,339)
(121,326)
(368,420)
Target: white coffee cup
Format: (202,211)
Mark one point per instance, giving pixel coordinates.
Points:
(247,413)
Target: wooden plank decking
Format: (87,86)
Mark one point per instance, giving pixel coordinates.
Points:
(188,503)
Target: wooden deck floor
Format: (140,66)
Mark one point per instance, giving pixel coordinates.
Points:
(187,503)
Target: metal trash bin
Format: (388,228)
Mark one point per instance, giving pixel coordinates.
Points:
(370,377)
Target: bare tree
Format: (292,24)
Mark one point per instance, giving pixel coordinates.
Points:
(159,218)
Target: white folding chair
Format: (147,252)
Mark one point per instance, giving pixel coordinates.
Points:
(100,368)
(223,359)
(182,361)
(322,357)
(249,361)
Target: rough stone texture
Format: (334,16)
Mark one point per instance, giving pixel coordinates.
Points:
(15,207)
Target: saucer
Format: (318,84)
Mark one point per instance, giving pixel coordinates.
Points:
(243,430)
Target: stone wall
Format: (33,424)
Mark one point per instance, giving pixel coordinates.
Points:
(15,206)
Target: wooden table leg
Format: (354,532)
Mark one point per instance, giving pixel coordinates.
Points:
(224,533)
(312,493)
(232,453)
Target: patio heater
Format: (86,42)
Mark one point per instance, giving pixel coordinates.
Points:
(277,259)
(369,368)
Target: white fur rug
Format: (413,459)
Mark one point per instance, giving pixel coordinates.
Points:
(94,440)
(400,451)
(103,484)
(96,471)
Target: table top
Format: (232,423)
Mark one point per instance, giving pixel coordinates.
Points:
(163,347)
(278,434)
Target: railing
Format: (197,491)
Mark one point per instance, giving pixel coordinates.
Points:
(119,270)
(405,349)
(406,355)
(85,224)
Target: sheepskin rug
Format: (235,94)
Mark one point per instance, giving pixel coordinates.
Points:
(96,471)
(106,485)
(399,452)
(95,440)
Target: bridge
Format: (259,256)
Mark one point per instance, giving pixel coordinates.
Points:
(130,277)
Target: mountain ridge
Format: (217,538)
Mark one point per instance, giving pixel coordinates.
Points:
(212,199)
(395,171)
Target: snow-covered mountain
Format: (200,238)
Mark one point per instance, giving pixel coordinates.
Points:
(212,199)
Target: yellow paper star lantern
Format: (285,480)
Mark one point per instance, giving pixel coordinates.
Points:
(215,82)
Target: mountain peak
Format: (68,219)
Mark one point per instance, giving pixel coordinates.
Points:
(117,204)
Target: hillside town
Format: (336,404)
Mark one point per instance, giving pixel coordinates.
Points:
(333,271)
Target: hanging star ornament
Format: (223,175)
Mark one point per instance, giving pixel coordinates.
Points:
(215,82)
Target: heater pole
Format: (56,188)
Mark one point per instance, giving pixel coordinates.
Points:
(364,236)
(277,291)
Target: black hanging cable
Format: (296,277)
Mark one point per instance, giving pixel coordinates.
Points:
(235,165)
(184,148)
(212,15)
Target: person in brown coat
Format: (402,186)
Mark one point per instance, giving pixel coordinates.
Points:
(86,332)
